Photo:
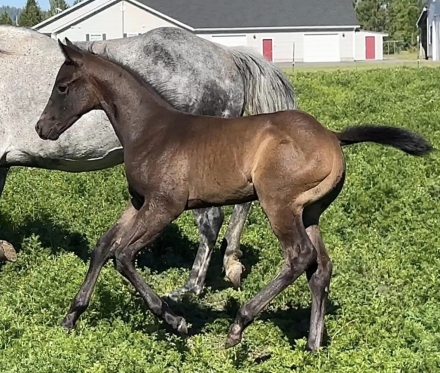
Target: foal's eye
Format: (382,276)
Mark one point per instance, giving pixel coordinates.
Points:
(62,88)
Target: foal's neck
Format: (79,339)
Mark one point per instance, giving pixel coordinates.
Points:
(129,102)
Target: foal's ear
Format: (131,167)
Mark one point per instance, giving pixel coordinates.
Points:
(71,53)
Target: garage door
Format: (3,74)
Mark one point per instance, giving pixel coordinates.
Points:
(230,40)
(321,48)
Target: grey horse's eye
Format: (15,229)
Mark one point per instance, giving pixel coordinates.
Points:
(62,88)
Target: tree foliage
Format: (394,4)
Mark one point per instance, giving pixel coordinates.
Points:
(396,17)
(57,6)
(5,19)
(31,15)
(11,11)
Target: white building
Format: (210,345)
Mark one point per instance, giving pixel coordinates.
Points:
(281,30)
(429,26)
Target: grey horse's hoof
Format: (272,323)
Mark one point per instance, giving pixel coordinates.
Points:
(7,252)
(234,272)
(183,327)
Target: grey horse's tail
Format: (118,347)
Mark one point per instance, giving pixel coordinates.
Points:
(267,88)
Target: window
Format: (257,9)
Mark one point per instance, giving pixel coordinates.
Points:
(94,37)
(130,34)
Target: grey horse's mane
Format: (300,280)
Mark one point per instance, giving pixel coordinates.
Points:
(274,90)
(164,95)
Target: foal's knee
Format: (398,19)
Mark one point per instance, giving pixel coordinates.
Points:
(302,257)
(321,278)
(122,261)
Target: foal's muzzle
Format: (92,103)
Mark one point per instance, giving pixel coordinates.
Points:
(46,130)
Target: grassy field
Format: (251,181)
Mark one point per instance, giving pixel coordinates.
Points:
(382,234)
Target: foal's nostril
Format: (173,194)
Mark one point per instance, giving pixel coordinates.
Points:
(37,127)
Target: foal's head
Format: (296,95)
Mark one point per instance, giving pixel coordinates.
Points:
(73,94)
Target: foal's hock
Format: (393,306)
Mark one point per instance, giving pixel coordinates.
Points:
(175,161)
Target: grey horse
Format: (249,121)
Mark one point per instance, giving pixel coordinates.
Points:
(191,73)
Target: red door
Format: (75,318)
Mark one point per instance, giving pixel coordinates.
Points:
(267,49)
(370,47)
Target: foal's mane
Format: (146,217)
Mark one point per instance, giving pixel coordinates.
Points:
(135,75)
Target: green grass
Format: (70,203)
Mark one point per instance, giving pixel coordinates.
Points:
(359,66)
(382,234)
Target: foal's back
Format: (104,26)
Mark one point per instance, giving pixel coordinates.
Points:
(222,160)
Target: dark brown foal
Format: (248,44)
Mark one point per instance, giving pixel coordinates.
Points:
(175,161)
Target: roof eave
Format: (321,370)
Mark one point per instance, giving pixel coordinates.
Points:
(241,29)
(82,17)
(424,10)
(61,14)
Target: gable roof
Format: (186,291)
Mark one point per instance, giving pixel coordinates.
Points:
(206,15)
(223,14)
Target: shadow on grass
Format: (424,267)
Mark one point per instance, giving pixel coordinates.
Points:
(293,322)
(51,235)
(172,249)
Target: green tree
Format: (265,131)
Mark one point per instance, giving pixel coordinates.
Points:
(56,6)
(403,15)
(5,19)
(31,14)
(372,14)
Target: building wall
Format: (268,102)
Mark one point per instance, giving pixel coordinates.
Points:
(360,51)
(285,45)
(433,30)
(114,21)
(118,19)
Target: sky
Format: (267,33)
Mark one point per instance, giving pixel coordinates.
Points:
(44,4)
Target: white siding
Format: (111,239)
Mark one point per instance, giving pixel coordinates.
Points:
(108,22)
(138,20)
(285,44)
(70,17)
(321,48)
(433,30)
(114,21)
(361,45)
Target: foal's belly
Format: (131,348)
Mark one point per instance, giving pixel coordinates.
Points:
(217,193)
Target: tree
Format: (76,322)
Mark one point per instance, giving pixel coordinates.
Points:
(31,14)
(5,19)
(57,6)
(403,15)
(372,14)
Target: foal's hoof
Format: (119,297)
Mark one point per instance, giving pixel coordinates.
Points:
(232,341)
(7,252)
(234,272)
(68,324)
(183,327)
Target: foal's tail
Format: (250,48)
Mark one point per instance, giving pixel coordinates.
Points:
(407,141)
(266,88)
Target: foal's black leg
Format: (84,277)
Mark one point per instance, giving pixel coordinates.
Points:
(231,263)
(299,255)
(319,282)
(100,255)
(209,222)
(147,226)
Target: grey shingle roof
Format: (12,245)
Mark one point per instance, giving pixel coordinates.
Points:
(257,13)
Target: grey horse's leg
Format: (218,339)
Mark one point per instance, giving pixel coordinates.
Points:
(209,222)
(231,244)
(7,251)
